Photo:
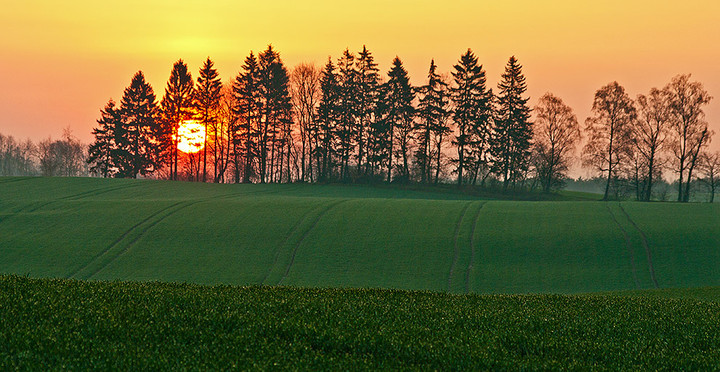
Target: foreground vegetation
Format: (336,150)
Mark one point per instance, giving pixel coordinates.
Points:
(350,236)
(69,324)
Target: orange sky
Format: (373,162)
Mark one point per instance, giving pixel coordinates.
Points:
(60,61)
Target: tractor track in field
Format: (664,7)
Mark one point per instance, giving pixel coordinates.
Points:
(96,192)
(3,182)
(289,235)
(645,245)
(471,263)
(305,234)
(628,245)
(145,229)
(117,241)
(456,254)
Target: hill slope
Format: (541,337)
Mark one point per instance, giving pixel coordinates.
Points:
(349,236)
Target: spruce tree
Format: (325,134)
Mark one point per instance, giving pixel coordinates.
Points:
(432,109)
(207,103)
(368,80)
(176,106)
(327,118)
(472,115)
(276,114)
(138,136)
(247,110)
(101,152)
(346,129)
(399,116)
(512,129)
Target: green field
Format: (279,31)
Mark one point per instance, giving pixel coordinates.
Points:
(350,236)
(90,325)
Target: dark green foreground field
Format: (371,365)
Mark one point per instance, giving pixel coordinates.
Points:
(349,236)
(79,325)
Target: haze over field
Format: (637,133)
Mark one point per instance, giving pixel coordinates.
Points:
(61,61)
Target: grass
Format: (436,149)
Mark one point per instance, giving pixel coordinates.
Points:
(350,236)
(79,325)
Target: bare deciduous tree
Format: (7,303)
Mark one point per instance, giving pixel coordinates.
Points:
(689,129)
(710,170)
(305,92)
(648,135)
(607,131)
(556,133)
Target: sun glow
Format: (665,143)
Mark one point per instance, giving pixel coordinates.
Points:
(191,136)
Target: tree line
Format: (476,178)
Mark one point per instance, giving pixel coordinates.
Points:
(60,157)
(347,122)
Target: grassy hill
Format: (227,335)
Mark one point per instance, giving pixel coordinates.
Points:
(350,236)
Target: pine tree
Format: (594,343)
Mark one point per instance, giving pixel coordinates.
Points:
(472,115)
(327,119)
(176,106)
(101,152)
(247,110)
(399,116)
(138,136)
(207,102)
(432,109)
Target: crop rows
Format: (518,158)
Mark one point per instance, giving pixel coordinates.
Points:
(70,324)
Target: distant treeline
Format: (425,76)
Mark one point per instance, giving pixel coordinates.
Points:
(345,122)
(63,157)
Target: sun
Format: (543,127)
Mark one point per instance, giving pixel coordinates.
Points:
(191,136)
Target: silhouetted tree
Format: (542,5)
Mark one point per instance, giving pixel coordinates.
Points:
(472,114)
(327,118)
(367,86)
(176,106)
(276,110)
(346,128)
(137,138)
(608,131)
(247,129)
(555,136)
(689,130)
(64,157)
(512,128)
(399,116)
(710,170)
(101,153)
(432,112)
(305,80)
(648,134)
(207,102)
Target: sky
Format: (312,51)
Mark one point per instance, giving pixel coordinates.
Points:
(61,61)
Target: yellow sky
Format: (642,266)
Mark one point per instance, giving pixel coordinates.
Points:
(60,61)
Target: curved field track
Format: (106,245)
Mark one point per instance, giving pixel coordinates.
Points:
(349,236)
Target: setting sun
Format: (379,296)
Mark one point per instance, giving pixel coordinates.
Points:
(191,136)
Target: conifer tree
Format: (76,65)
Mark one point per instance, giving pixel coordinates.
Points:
(346,129)
(327,118)
(101,153)
(432,109)
(368,80)
(207,102)
(512,128)
(176,106)
(399,116)
(138,137)
(472,115)
(247,110)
